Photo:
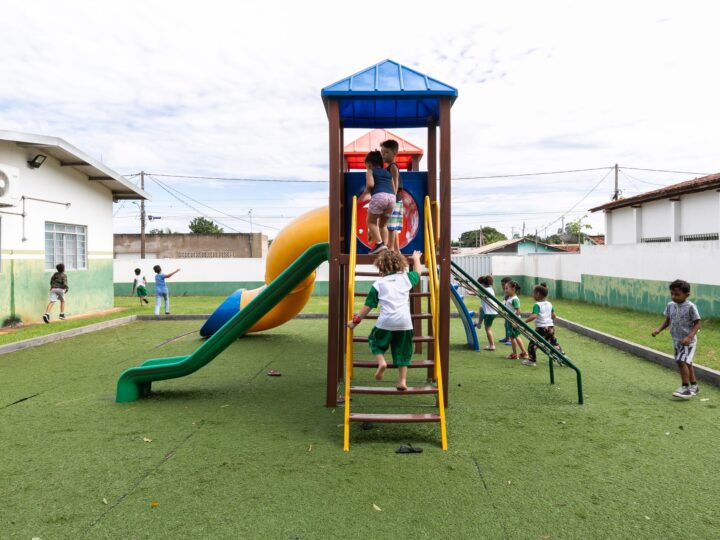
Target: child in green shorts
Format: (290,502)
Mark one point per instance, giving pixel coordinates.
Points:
(394,329)
(513,302)
(140,287)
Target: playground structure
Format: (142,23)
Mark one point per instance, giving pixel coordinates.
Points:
(387,95)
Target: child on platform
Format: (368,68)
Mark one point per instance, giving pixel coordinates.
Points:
(161,289)
(683,318)
(543,314)
(140,287)
(487,312)
(58,290)
(505,340)
(394,327)
(389,150)
(381,190)
(513,302)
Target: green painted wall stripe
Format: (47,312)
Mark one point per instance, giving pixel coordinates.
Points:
(23,251)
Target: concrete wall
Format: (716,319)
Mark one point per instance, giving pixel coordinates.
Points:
(187,246)
(24,280)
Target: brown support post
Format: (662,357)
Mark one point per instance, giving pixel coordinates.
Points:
(334,294)
(444,257)
(432,193)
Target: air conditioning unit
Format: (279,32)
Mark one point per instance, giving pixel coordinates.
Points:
(9,177)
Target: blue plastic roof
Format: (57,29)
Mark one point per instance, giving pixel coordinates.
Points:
(388,95)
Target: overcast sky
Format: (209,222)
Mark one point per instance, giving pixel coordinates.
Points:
(232,89)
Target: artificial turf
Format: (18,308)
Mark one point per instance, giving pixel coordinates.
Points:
(229,452)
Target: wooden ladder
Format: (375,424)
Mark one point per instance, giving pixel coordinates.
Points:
(433,388)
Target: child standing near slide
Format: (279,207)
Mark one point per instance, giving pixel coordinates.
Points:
(161,289)
(683,318)
(389,150)
(543,314)
(487,312)
(381,190)
(394,329)
(505,340)
(513,303)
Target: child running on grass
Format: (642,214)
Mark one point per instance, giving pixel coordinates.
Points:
(683,318)
(487,312)
(513,303)
(161,289)
(389,150)
(506,340)
(394,327)
(140,287)
(543,314)
(58,290)
(380,188)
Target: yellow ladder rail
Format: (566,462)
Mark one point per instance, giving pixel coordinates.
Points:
(433,285)
(348,331)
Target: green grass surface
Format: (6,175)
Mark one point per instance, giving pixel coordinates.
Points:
(237,454)
(636,326)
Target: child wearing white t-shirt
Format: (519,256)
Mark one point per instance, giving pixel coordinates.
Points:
(543,313)
(394,329)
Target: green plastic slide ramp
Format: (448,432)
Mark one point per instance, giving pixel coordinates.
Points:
(525,329)
(136,382)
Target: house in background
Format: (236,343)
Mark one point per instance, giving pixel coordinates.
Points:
(683,212)
(56,206)
(514,246)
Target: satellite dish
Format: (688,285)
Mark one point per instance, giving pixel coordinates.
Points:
(4,184)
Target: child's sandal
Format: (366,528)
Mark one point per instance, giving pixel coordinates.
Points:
(524,356)
(512,357)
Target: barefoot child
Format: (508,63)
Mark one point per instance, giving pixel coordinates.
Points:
(683,318)
(394,327)
(513,302)
(389,150)
(487,312)
(543,314)
(140,287)
(379,186)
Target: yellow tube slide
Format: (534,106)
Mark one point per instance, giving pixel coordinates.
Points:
(304,231)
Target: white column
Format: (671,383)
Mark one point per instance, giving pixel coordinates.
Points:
(675,220)
(608,225)
(637,224)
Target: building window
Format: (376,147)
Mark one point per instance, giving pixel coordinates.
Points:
(65,244)
(698,237)
(655,239)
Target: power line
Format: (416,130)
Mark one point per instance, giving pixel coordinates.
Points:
(230,179)
(664,171)
(528,174)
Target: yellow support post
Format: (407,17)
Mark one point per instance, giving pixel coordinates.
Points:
(349,331)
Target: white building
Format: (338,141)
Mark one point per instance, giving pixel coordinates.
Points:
(56,206)
(684,212)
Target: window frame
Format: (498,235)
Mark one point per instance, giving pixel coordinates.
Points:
(59,240)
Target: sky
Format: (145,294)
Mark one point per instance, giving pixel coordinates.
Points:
(232,90)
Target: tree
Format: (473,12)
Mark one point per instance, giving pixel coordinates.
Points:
(481,237)
(200,225)
(576,229)
(166,230)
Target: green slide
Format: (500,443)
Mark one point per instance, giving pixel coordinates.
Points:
(554,354)
(136,382)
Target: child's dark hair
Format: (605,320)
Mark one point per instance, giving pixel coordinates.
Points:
(137,271)
(541,290)
(505,280)
(157,268)
(391,144)
(514,284)
(680,285)
(374,158)
(60,267)
(390,262)
(486,281)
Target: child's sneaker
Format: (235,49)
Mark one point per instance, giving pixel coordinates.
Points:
(378,248)
(683,392)
(46,318)
(62,316)
(146,300)
(695,389)
(528,362)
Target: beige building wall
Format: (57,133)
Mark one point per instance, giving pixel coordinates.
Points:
(192,246)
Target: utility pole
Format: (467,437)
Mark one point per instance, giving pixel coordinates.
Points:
(523,230)
(142,217)
(616,195)
(536,246)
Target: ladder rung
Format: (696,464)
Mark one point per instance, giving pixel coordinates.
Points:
(413,316)
(413,294)
(373,364)
(416,339)
(394,418)
(377,274)
(391,390)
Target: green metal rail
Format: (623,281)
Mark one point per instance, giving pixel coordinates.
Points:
(526,330)
(136,382)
